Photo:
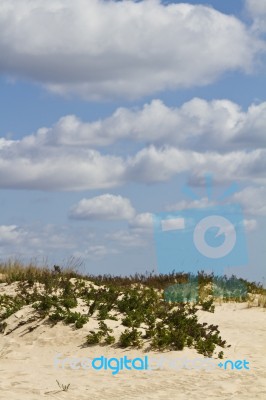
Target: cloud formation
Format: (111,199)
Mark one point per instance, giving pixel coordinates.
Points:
(35,241)
(104,207)
(257,10)
(198,136)
(142,222)
(29,166)
(10,234)
(196,125)
(148,46)
(252,199)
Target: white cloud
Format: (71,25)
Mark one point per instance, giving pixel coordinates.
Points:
(250,225)
(197,124)
(95,252)
(29,166)
(252,199)
(104,207)
(98,49)
(199,137)
(126,239)
(158,165)
(5,143)
(257,10)
(35,241)
(10,234)
(190,204)
(141,222)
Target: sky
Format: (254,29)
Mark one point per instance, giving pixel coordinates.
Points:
(108,108)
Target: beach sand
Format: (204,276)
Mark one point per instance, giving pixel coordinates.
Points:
(28,370)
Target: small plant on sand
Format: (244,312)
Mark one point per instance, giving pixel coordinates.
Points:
(221,354)
(109,339)
(207,305)
(63,387)
(93,338)
(102,334)
(262,301)
(76,318)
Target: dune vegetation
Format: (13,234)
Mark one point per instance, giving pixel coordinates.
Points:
(158,312)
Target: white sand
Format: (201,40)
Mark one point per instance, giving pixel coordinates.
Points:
(28,372)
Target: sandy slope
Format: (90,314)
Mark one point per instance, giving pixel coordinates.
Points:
(28,372)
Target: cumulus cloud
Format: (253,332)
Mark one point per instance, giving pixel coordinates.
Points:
(104,207)
(141,222)
(197,124)
(29,166)
(252,199)
(34,241)
(190,204)
(199,136)
(10,234)
(63,169)
(159,165)
(147,47)
(257,10)
(126,239)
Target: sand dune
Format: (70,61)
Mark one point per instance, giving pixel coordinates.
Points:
(28,371)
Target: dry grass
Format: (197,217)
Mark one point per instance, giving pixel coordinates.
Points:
(256,300)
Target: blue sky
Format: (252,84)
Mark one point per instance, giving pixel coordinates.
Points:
(102,124)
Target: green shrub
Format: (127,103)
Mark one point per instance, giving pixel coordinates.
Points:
(131,338)
(93,338)
(109,339)
(58,315)
(69,302)
(77,319)
(207,305)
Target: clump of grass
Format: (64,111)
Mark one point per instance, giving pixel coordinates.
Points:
(63,387)
(256,300)
(262,300)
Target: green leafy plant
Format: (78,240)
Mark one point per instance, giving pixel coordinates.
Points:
(208,305)
(69,302)
(109,339)
(93,338)
(131,337)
